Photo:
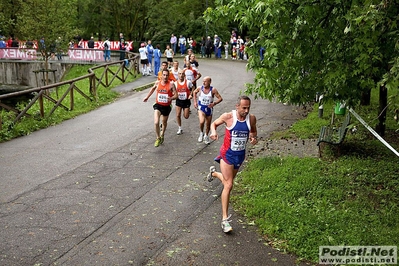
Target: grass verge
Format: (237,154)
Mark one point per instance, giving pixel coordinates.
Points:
(299,204)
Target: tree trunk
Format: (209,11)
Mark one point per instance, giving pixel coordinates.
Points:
(366,96)
(382,110)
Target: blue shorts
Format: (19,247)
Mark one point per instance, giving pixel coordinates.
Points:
(235,160)
(205,109)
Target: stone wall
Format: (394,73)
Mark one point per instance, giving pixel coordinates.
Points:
(15,72)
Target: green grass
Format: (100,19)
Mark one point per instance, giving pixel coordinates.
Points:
(81,105)
(299,204)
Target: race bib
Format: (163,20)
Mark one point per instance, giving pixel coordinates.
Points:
(163,98)
(182,96)
(238,143)
(205,101)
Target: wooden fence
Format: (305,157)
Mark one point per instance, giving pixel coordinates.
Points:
(127,67)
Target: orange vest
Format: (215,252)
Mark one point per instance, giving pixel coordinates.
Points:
(183,91)
(164,94)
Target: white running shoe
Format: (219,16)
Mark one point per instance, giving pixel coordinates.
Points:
(206,139)
(179,131)
(209,177)
(201,137)
(226,225)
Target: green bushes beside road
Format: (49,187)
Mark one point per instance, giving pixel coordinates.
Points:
(300,204)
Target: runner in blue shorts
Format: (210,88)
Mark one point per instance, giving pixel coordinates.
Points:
(204,101)
(240,127)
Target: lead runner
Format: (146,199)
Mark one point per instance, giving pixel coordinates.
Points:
(240,127)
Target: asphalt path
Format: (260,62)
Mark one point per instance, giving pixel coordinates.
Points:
(95,191)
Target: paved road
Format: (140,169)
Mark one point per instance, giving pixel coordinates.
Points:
(94,190)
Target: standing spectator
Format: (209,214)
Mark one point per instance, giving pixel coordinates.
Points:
(190,43)
(2,43)
(182,43)
(29,44)
(240,126)
(9,42)
(14,43)
(240,42)
(234,53)
(144,60)
(80,44)
(233,40)
(165,93)
(90,43)
(194,45)
(157,59)
(203,47)
(218,47)
(203,98)
(208,46)
(122,48)
(42,47)
(150,54)
(169,55)
(107,50)
(226,50)
(173,43)
(58,47)
(71,44)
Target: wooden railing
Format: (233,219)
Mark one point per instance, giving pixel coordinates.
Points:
(127,67)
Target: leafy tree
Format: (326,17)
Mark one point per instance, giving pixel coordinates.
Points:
(338,47)
(8,10)
(53,21)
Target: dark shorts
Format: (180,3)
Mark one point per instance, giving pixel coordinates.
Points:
(169,59)
(183,103)
(165,110)
(144,61)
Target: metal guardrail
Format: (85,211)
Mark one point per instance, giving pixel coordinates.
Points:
(129,66)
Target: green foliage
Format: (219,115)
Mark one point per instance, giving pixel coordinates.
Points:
(301,204)
(342,48)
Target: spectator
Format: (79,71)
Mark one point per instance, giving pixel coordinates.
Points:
(182,43)
(9,42)
(80,44)
(208,46)
(169,55)
(58,46)
(14,43)
(107,50)
(29,44)
(203,47)
(226,50)
(218,47)
(173,43)
(150,54)
(157,59)
(90,43)
(2,43)
(122,48)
